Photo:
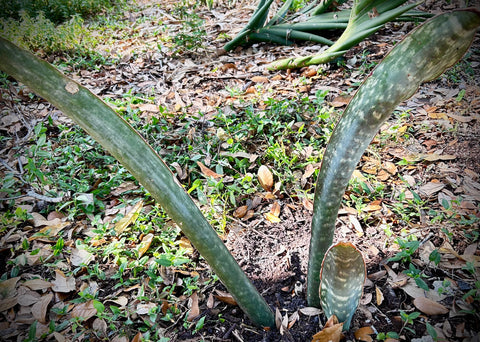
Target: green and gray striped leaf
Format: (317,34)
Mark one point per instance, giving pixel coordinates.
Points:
(341,284)
(421,56)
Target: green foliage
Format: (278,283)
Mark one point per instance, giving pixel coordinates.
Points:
(40,34)
(408,319)
(408,248)
(56,11)
(383,336)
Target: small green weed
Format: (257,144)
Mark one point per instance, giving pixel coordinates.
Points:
(391,334)
(408,319)
(408,248)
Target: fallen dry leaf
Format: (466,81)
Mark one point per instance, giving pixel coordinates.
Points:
(138,337)
(63,283)
(275,210)
(271,218)
(341,100)
(100,326)
(144,308)
(194,309)
(358,176)
(8,303)
(37,284)
(225,297)
(332,332)
(207,172)
(429,307)
(7,287)
(265,177)
(240,211)
(81,257)
(84,310)
(27,297)
(310,311)
(128,219)
(431,188)
(144,245)
(435,157)
(39,309)
(379,295)
(363,334)
(186,245)
(259,79)
(122,301)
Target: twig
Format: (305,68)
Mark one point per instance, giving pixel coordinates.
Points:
(33,194)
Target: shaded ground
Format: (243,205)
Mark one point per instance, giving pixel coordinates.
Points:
(442,131)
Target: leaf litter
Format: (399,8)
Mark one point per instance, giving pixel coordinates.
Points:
(432,157)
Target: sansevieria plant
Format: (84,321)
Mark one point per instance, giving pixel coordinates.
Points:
(309,23)
(423,55)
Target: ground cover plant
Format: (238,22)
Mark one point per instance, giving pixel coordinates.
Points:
(205,127)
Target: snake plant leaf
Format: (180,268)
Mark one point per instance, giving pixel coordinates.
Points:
(341,282)
(130,149)
(421,56)
(361,24)
(305,24)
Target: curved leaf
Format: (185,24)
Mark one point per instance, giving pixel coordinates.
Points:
(130,149)
(422,56)
(341,286)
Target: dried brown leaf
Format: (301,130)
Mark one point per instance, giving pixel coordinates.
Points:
(122,301)
(63,283)
(81,257)
(431,188)
(84,310)
(27,297)
(310,311)
(128,219)
(100,326)
(271,218)
(265,177)
(225,297)
(259,79)
(207,172)
(379,295)
(275,210)
(39,309)
(363,334)
(7,287)
(293,319)
(390,167)
(37,284)
(194,309)
(144,308)
(240,211)
(331,333)
(138,337)
(7,303)
(435,157)
(429,307)
(307,204)
(186,245)
(341,100)
(144,245)
(358,176)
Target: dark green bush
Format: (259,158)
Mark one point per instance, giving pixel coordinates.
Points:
(56,11)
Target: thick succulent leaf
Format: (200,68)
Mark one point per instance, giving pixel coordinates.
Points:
(341,282)
(310,20)
(360,26)
(421,56)
(128,147)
